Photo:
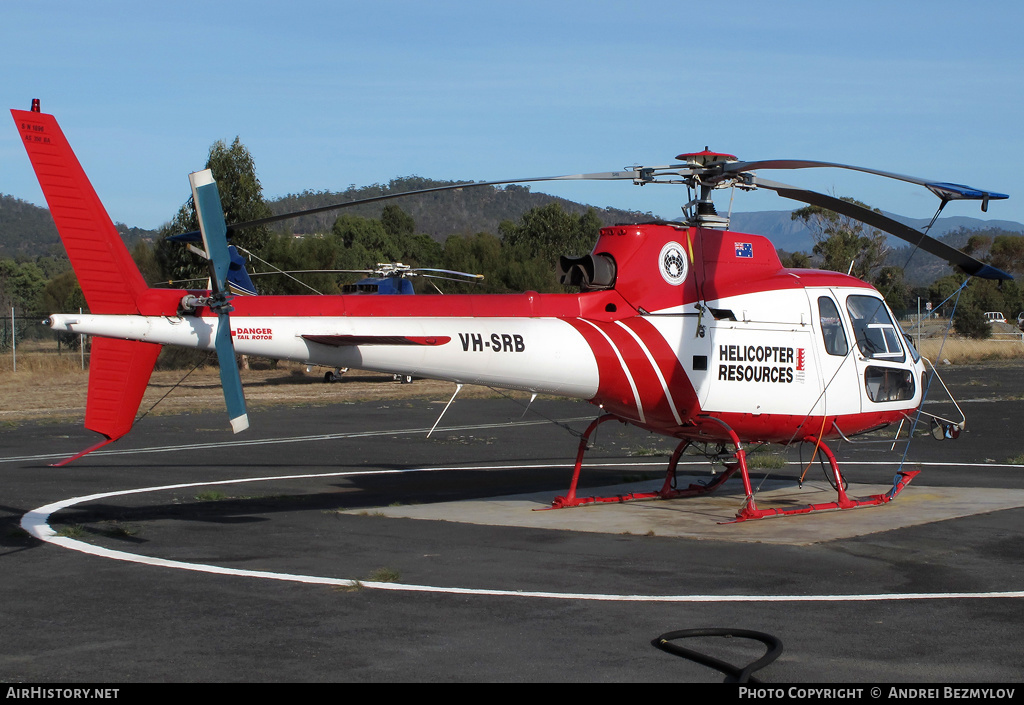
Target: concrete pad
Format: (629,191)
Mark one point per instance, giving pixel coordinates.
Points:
(706,517)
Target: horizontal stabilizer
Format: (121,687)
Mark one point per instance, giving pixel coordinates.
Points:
(338,341)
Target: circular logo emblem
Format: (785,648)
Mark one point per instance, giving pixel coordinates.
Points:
(672,263)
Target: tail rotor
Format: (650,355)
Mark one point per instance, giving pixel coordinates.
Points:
(214,232)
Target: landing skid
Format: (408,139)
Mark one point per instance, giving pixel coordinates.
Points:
(750,509)
(843,501)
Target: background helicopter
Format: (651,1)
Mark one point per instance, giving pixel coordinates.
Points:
(685,329)
(391,278)
(387,278)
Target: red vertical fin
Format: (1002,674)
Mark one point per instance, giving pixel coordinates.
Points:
(119,370)
(109,278)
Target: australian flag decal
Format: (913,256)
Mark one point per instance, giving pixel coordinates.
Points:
(744,249)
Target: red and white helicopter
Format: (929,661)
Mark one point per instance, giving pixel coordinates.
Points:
(685,329)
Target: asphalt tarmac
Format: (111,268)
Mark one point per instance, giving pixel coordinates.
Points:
(341,543)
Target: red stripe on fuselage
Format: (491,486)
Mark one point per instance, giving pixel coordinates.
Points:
(680,389)
(614,391)
(655,395)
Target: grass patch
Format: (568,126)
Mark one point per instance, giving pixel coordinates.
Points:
(966,350)
(210,496)
(384,575)
(1016,460)
(117,530)
(72,531)
(16,532)
(647,452)
(764,461)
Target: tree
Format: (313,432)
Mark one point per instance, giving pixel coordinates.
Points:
(476,254)
(550,232)
(969,320)
(1007,252)
(241,197)
(795,260)
(144,255)
(980,296)
(531,247)
(841,241)
(63,294)
(397,222)
(976,244)
(378,244)
(21,285)
(893,287)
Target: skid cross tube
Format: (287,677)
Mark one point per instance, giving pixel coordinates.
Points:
(843,501)
(667,491)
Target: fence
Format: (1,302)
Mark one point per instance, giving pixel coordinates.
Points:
(928,331)
(26,343)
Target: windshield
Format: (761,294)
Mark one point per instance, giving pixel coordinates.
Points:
(876,335)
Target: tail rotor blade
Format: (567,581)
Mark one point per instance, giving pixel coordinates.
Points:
(230,380)
(211,226)
(214,232)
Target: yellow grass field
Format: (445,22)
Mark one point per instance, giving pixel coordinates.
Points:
(48,385)
(966,351)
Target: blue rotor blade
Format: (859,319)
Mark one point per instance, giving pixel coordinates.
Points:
(206,198)
(955,257)
(230,380)
(214,232)
(945,191)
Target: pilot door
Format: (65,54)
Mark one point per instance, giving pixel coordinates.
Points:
(886,362)
(840,390)
(867,364)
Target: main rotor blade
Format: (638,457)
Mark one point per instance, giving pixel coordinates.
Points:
(449,271)
(628,174)
(917,238)
(944,190)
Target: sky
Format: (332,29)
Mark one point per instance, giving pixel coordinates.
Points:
(331,94)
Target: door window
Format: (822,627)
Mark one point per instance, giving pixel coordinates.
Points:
(888,383)
(832,327)
(876,335)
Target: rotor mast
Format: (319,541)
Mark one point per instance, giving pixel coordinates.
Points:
(708,172)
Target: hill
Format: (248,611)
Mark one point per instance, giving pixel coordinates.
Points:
(456,212)
(26,229)
(791,235)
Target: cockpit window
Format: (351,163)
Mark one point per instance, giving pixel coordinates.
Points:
(876,335)
(832,327)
